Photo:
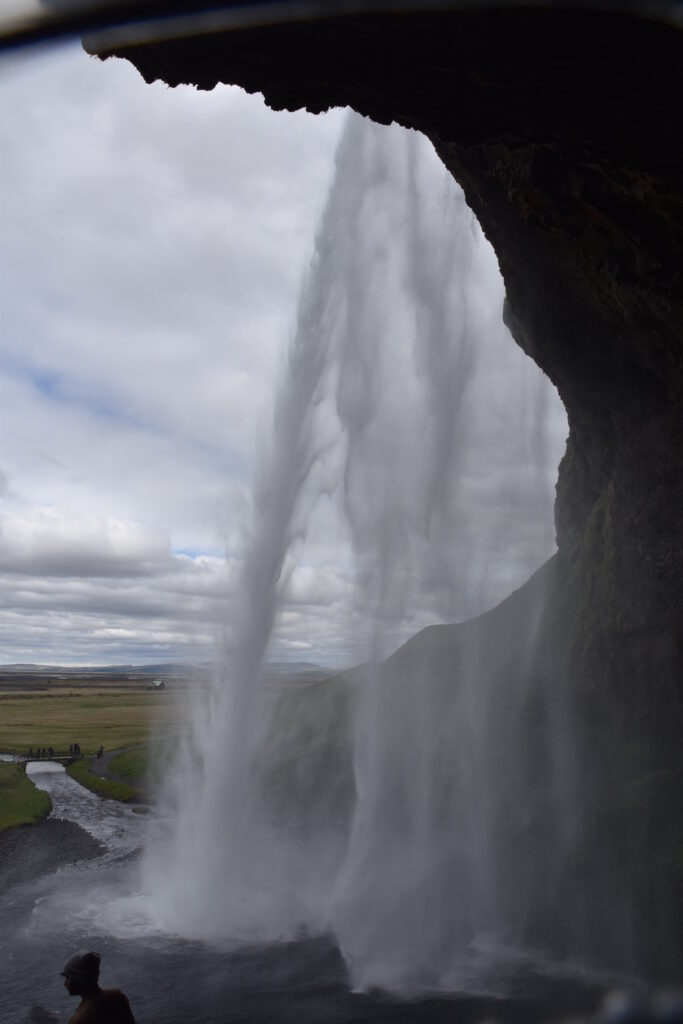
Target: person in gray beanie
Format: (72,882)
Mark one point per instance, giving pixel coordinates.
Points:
(98,1005)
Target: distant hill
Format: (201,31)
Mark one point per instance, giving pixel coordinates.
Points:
(79,671)
(165,670)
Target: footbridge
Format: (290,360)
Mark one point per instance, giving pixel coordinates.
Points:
(61,756)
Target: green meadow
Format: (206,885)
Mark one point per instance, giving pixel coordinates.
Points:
(108,717)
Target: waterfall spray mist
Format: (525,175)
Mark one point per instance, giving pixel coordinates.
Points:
(368,805)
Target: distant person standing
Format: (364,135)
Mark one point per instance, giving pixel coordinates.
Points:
(98,1005)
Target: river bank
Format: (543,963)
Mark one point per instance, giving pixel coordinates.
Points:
(21,803)
(29,851)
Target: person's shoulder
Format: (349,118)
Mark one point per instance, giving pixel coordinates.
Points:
(83,1013)
(117,1001)
(109,1006)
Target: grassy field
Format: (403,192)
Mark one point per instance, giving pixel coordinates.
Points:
(139,764)
(123,791)
(111,717)
(20,802)
(133,764)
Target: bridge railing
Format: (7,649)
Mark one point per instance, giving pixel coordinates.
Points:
(55,755)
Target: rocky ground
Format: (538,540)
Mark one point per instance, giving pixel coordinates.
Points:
(29,851)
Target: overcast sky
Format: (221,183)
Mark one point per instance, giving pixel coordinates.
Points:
(153,247)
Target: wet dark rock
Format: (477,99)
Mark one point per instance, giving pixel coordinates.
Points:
(29,851)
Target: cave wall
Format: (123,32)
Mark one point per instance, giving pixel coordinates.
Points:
(563,127)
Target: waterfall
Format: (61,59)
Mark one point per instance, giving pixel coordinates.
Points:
(371,805)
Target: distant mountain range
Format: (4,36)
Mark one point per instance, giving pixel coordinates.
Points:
(162,669)
(169,669)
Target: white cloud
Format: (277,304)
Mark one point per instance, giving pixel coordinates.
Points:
(153,243)
(44,542)
(127,277)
